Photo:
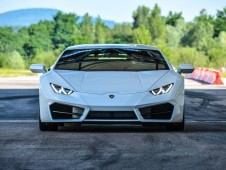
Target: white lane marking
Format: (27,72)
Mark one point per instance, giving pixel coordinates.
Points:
(205,87)
(35,121)
(206,121)
(18,121)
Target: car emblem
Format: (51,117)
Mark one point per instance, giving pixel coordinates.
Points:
(111,96)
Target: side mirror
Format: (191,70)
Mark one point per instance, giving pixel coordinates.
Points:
(185,68)
(38,68)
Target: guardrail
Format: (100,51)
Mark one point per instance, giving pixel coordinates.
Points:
(207,75)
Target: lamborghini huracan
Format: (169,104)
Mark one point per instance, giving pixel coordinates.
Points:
(111,83)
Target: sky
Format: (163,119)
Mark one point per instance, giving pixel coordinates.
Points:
(118,10)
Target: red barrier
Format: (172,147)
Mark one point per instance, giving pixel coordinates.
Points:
(206,75)
(218,78)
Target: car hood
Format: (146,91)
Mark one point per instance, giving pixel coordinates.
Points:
(111,82)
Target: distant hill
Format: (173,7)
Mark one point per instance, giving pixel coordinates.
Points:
(26,17)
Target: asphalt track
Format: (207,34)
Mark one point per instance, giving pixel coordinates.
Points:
(201,146)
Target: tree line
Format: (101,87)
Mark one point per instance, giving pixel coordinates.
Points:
(201,42)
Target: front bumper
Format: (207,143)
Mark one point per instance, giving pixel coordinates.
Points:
(135,107)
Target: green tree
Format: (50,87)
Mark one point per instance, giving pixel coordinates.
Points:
(140,17)
(157,25)
(189,56)
(8,40)
(167,51)
(39,38)
(175,33)
(217,52)
(220,22)
(99,31)
(66,32)
(201,42)
(46,58)
(23,38)
(122,34)
(204,17)
(172,18)
(217,57)
(87,29)
(142,36)
(199,36)
(11,60)
(221,39)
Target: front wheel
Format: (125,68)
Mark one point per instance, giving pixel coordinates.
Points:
(176,126)
(47,126)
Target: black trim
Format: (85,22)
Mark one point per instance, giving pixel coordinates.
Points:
(161,111)
(111,115)
(62,111)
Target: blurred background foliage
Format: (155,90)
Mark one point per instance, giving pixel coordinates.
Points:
(201,42)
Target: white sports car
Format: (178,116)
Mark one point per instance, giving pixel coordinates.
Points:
(111,83)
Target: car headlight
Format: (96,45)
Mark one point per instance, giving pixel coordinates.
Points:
(162,90)
(61,90)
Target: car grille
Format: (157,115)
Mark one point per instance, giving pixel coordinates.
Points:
(162,111)
(111,115)
(61,111)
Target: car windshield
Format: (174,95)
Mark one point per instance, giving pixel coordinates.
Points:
(111,59)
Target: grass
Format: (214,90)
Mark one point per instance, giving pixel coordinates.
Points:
(15,73)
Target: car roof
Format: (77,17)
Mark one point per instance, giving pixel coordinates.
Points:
(93,46)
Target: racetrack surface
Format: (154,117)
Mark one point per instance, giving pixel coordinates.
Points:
(201,146)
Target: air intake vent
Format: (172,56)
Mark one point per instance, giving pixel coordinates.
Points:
(162,111)
(111,115)
(61,111)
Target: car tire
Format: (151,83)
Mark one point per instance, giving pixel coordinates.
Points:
(47,126)
(176,126)
(170,126)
